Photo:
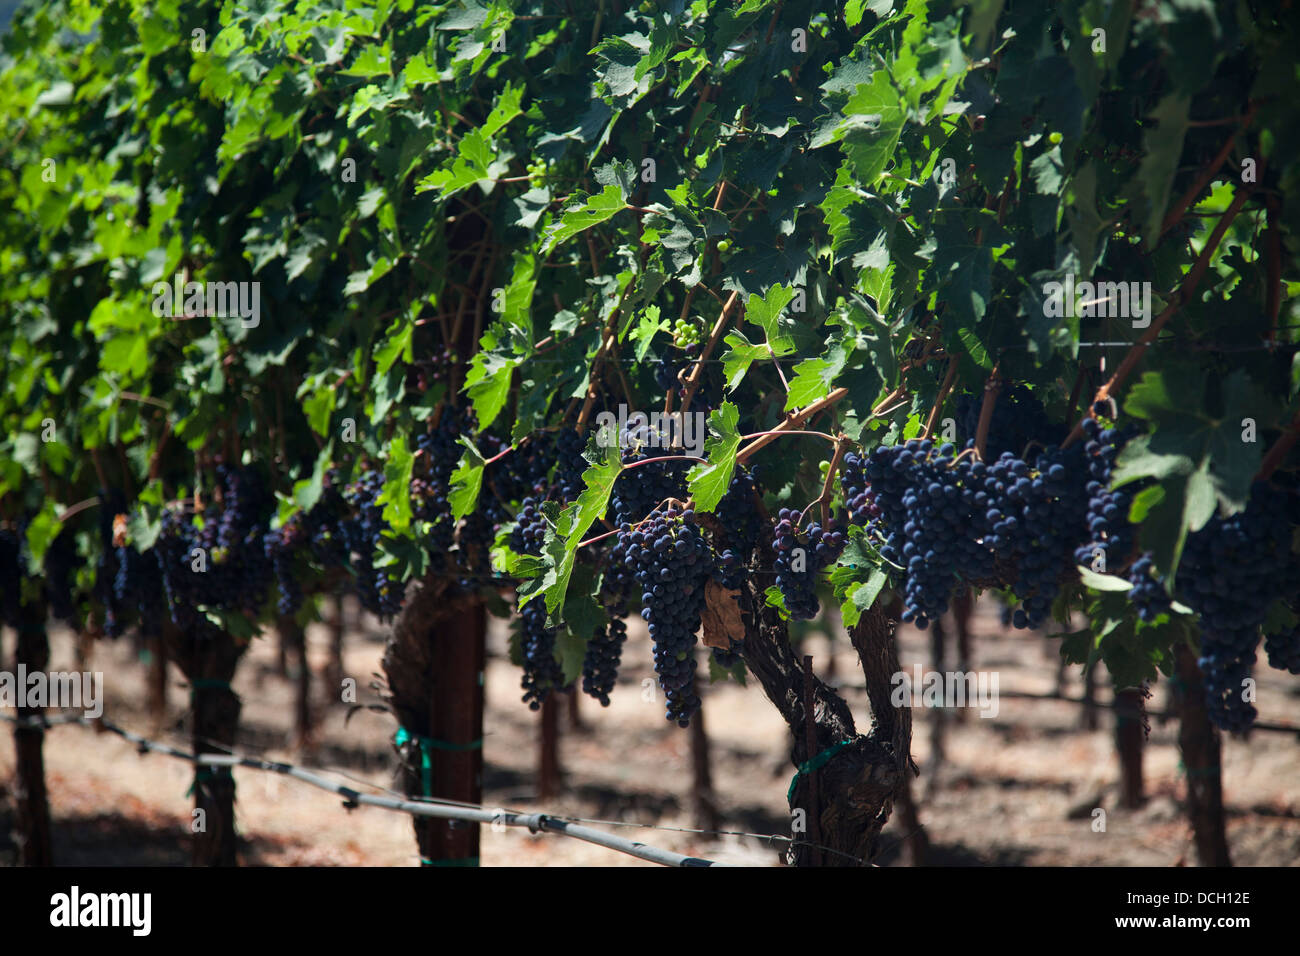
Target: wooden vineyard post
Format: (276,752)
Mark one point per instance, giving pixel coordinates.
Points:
(334,669)
(962,607)
(548,748)
(459,657)
(31,801)
(1198,743)
(1130,739)
(434,665)
(702,796)
(156,677)
(209,660)
(294,637)
(938,716)
(574,697)
(1088,716)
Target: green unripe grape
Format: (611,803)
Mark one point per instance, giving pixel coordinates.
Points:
(724,245)
(1055,138)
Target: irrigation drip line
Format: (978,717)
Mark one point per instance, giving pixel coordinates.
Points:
(534,822)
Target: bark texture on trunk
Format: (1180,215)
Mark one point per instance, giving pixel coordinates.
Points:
(1198,741)
(860,779)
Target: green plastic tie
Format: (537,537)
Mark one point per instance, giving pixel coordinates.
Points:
(427,745)
(816,763)
(203,774)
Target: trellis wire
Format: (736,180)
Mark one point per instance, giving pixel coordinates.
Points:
(534,822)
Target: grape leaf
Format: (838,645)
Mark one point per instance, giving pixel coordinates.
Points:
(466,481)
(709,482)
(737,360)
(583,214)
(396,494)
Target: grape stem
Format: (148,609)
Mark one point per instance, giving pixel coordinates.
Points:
(76,509)
(1185,201)
(991,389)
(1176,301)
(795,420)
(792,431)
(693,383)
(651,461)
(1278,452)
(946,387)
(777,365)
(841,446)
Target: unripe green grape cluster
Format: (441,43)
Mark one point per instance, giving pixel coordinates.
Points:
(687,332)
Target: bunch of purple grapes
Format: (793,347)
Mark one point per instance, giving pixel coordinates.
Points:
(672,562)
(1231,571)
(800,558)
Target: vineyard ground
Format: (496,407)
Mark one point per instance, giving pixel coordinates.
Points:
(1017,789)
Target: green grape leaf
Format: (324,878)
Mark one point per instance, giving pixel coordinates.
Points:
(737,360)
(584,213)
(466,481)
(396,494)
(1102,582)
(708,483)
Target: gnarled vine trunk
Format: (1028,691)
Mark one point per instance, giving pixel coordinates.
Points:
(859,780)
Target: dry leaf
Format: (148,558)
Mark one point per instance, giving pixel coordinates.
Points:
(722,620)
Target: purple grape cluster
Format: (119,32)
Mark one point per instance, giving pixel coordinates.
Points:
(1036,516)
(672,562)
(1231,570)
(600,663)
(60,572)
(1283,650)
(217,560)
(363,529)
(800,558)
(542,673)
(640,490)
(1148,595)
(1110,534)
